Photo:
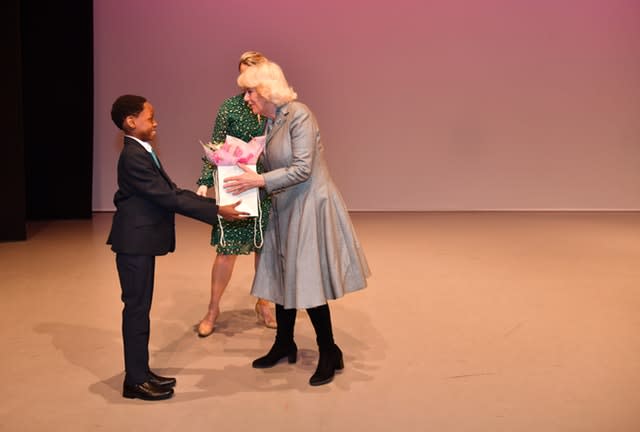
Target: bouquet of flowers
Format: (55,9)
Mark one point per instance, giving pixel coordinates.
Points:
(209,150)
(234,150)
(226,157)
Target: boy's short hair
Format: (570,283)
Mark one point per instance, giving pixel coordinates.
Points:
(125,106)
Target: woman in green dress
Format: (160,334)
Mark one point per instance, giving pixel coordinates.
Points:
(238,237)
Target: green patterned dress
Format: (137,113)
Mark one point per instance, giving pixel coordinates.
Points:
(240,237)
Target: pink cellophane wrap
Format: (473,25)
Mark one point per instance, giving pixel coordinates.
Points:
(226,157)
(234,151)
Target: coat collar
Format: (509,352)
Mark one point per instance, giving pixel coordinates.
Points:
(281,116)
(132,142)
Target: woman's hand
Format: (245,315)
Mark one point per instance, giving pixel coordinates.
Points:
(202,191)
(245,181)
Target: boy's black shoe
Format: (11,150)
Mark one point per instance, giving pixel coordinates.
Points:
(146,391)
(160,381)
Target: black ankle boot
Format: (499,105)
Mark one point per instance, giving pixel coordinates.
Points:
(329,362)
(277,352)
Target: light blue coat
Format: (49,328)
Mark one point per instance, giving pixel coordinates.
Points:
(311,253)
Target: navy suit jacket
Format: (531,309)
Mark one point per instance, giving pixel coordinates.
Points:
(146,203)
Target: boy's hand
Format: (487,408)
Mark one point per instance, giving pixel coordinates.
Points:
(202,191)
(230,213)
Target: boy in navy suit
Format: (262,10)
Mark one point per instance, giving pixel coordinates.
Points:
(143,227)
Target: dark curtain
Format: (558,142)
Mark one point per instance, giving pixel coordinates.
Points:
(57,89)
(12,175)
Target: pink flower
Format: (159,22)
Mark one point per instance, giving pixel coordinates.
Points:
(234,150)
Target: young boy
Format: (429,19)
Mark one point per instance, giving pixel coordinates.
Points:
(143,227)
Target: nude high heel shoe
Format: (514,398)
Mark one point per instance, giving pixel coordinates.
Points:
(269,322)
(207,325)
(205,328)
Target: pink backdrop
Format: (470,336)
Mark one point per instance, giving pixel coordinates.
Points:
(423,105)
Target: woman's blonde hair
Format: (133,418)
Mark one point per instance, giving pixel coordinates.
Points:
(269,81)
(251,58)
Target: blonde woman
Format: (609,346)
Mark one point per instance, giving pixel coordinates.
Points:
(310,253)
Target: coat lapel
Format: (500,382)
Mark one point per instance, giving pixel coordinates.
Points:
(281,117)
(164,174)
(160,169)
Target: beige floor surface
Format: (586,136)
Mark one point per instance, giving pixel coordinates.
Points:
(471,322)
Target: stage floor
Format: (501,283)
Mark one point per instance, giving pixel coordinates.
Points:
(471,322)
